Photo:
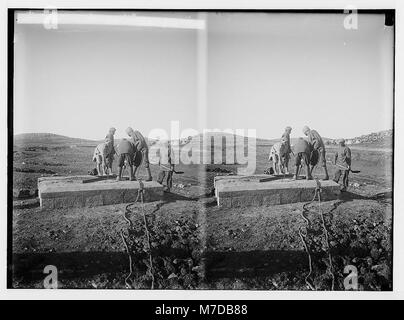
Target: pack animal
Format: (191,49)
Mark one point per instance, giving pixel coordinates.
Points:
(103,156)
(277,156)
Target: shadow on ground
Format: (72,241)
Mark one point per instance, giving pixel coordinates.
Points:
(30,266)
(253,263)
(348,196)
(173,197)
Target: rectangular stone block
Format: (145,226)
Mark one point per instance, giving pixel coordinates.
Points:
(234,191)
(289,196)
(112,196)
(250,178)
(93,201)
(76,201)
(271,199)
(129,195)
(71,192)
(257,201)
(306,194)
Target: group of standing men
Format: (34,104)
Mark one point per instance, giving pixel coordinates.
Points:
(131,153)
(311,152)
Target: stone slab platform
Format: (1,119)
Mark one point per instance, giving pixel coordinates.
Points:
(251,178)
(71,192)
(239,192)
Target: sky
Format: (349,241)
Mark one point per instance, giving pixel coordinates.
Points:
(261,71)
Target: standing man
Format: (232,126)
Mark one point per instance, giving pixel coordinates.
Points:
(110,134)
(302,155)
(317,144)
(140,145)
(288,149)
(126,152)
(342,160)
(166,163)
(109,139)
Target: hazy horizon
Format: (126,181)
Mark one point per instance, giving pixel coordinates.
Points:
(210,132)
(261,71)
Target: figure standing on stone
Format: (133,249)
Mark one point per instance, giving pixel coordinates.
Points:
(288,149)
(126,152)
(342,160)
(110,134)
(166,163)
(109,139)
(141,145)
(317,145)
(302,156)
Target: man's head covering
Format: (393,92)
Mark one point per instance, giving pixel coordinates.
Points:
(341,141)
(128,130)
(288,128)
(112,129)
(305,129)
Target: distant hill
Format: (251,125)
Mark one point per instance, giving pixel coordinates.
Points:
(48,139)
(54,139)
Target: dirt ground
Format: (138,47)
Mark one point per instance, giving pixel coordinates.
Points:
(195,244)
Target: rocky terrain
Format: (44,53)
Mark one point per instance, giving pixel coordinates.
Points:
(195,244)
(384,138)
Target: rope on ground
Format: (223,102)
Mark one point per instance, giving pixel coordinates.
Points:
(141,190)
(330,268)
(130,261)
(317,194)
(306,279)
(127,211)
(140,196)
(305,208)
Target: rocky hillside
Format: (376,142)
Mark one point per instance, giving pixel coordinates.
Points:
(378,138)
